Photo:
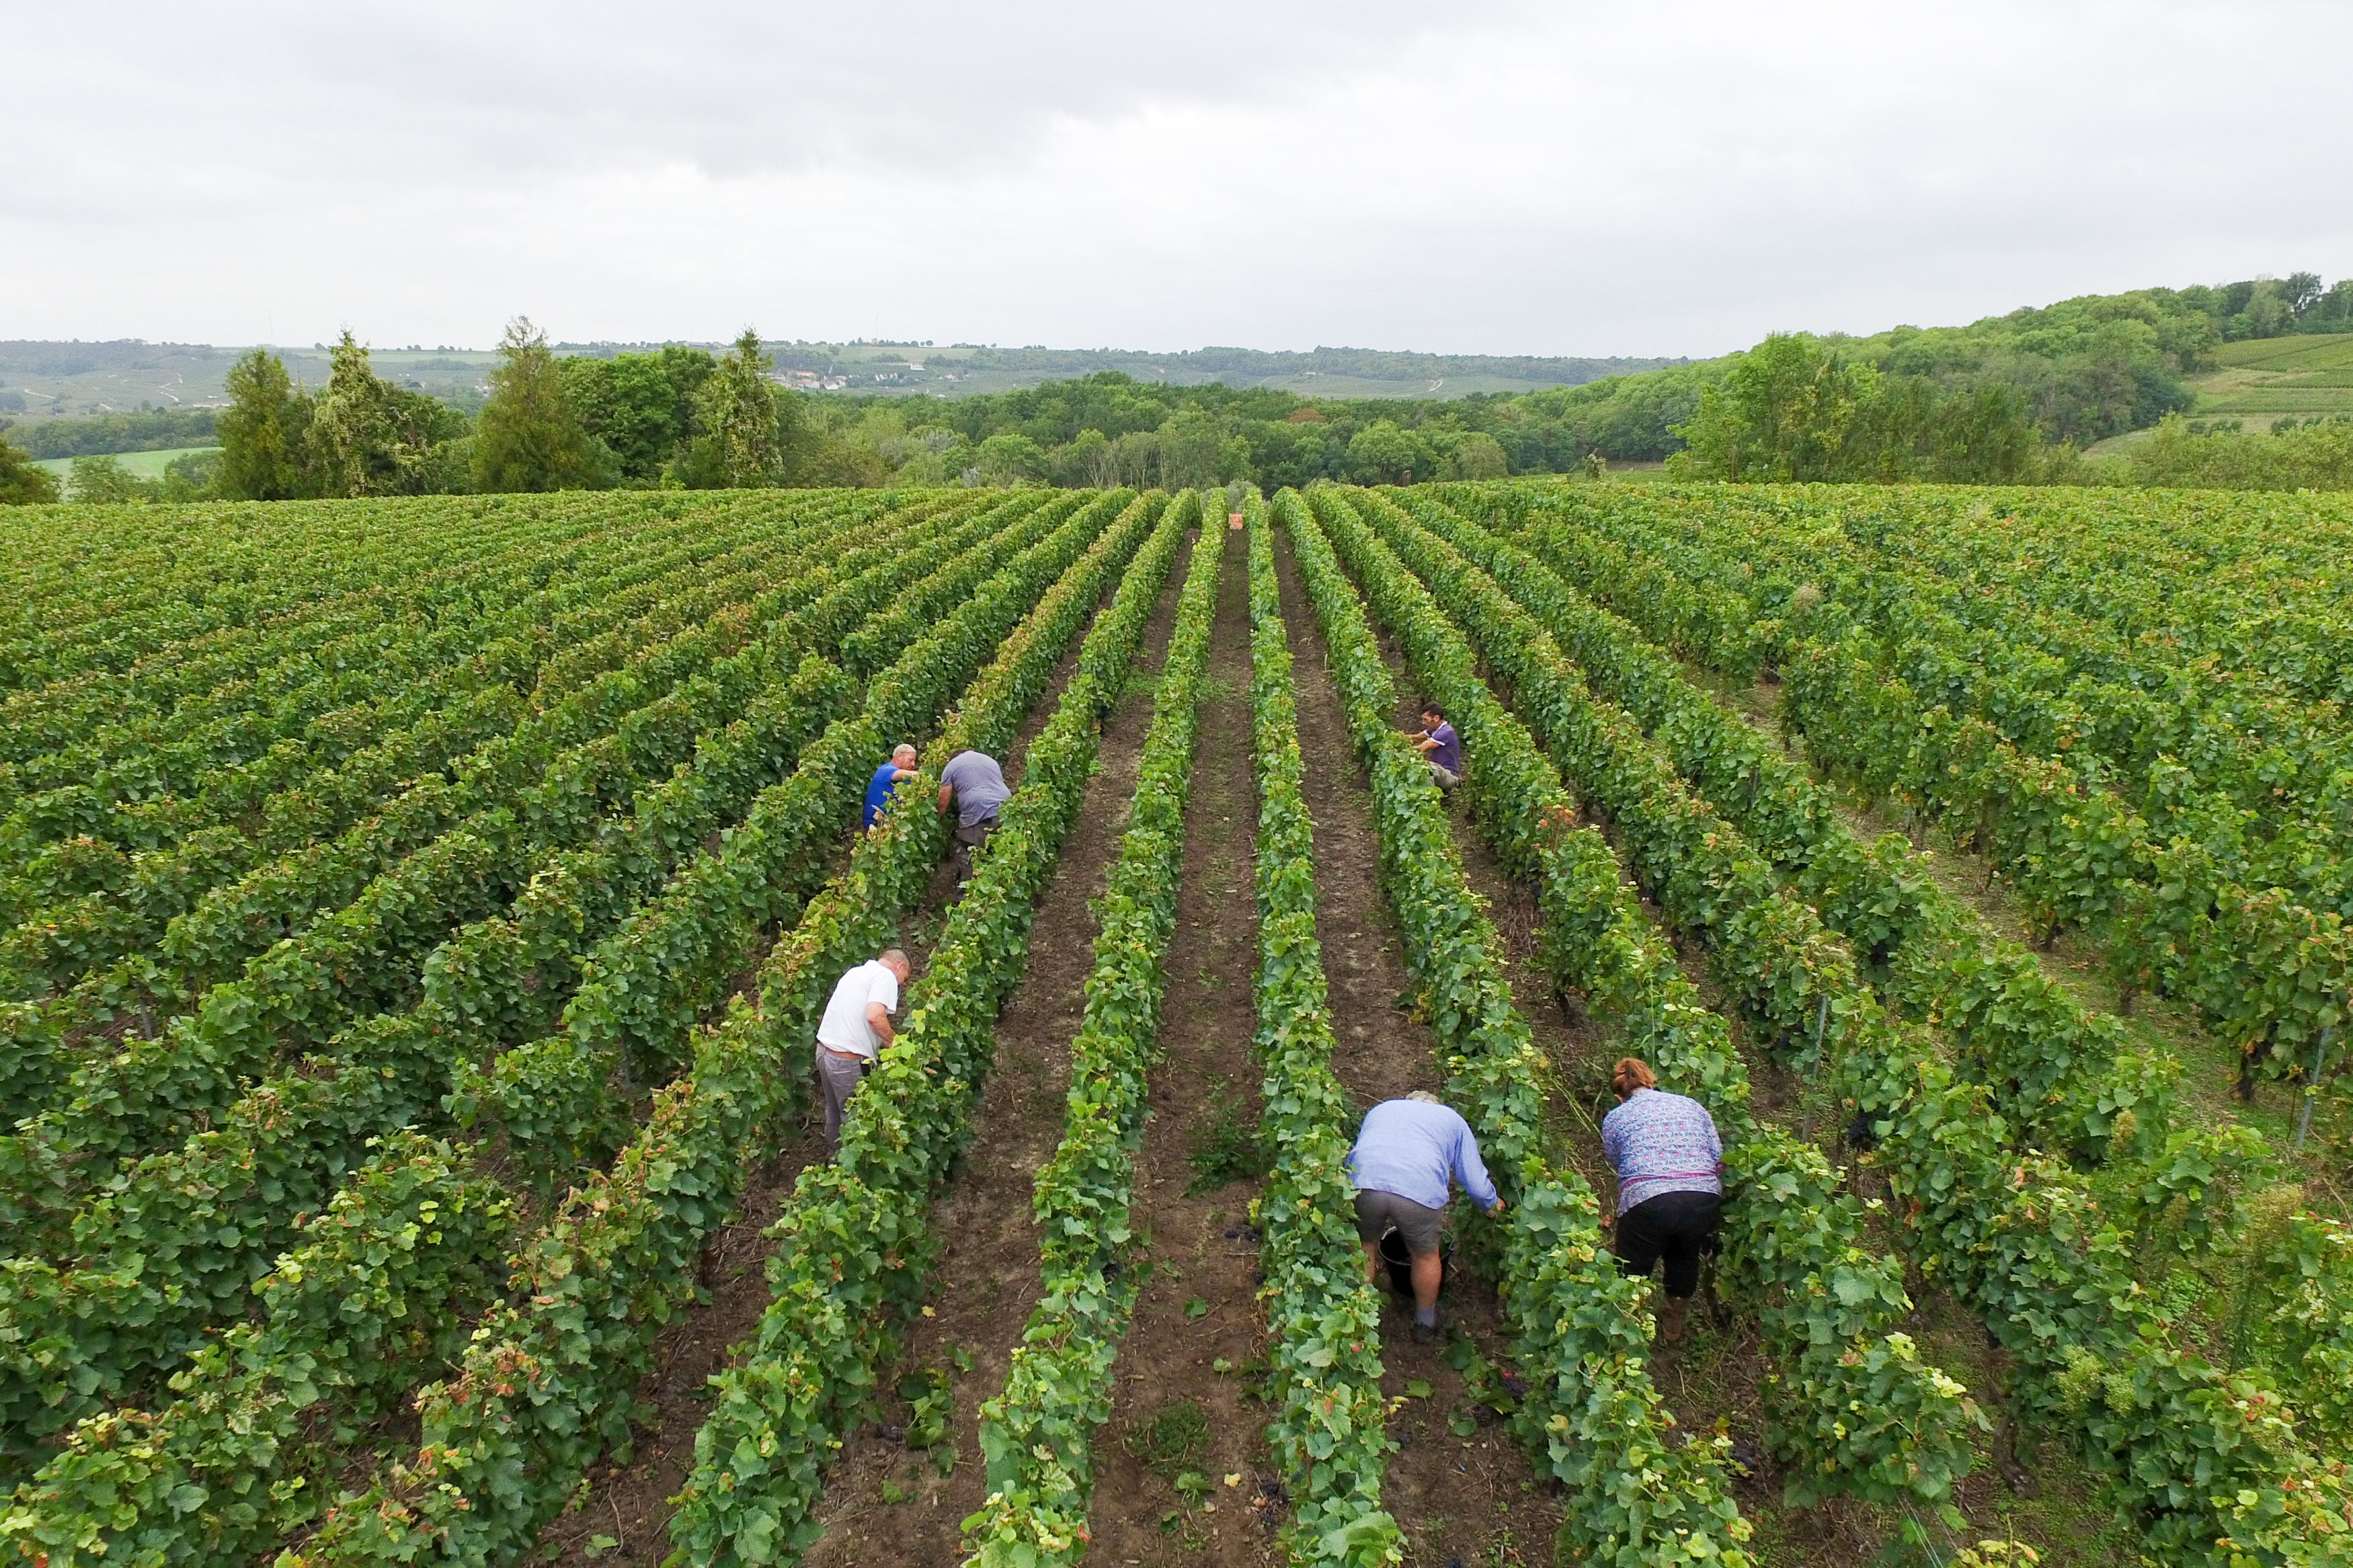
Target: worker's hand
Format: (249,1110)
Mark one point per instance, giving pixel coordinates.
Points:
(1497,1211)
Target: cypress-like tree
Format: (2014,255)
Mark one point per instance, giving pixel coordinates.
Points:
(530,435)
(261,431)
(368,437)
(744,428)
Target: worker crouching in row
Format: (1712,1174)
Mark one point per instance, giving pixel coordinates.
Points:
(1410,1154)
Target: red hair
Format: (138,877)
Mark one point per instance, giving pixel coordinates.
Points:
(1631,1074)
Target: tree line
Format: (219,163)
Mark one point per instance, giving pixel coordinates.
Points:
(2009,399)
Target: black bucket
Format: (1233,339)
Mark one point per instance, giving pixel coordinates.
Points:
(1400,1260)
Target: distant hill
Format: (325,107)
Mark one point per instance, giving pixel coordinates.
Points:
(51,380)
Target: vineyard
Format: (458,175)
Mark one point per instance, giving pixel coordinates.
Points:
(416,916)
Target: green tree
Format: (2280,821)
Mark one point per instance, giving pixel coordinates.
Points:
(641,406)
(749,432)
(261,431)
(1383,453)
(22,484)
(104,482)
(196,477)
(1011,460)
(369,437)
(1088,461)
(1192,451)
(1478,456)
(529,436)
(1781,413)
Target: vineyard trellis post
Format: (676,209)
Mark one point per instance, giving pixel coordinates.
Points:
(2312,1085)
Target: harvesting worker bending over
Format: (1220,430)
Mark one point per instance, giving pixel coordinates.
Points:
(855,1029)
(1440,746)
(1408,1154)
(1669,1185)
(975,785)
(887,778)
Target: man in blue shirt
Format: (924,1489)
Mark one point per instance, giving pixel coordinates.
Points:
(1408,1154)
(1440,746)
(886,778)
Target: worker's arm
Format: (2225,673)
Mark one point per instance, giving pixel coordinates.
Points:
(1471,1171)
(900,775)
(879,1020)
(947,794)
(1425,745)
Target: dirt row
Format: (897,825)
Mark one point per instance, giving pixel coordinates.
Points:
(1716,1380)
(1182,1473)
(1461,1497)
(624,1516)
(899,1492)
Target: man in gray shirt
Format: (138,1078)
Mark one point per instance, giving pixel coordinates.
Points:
(974,785)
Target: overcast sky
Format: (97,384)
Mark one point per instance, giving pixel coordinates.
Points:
(1473,177)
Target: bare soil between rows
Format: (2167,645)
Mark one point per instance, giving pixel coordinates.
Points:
(1460,1499)
(1183,1402)
(884,1502)
(625,1514)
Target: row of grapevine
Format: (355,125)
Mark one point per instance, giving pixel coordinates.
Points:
(854,1254)
(2179,896)
(174,1245)
(106,591)
(1590,1417)
(125,781)
(117,905)
(120,746)
(377,1294)
(618,1258)
(2064,1071)
(1037,1433)
(58,734)
(2249,582)
(362,958)
(224,905)
(643,988)
(1330,1427)
(2203,1459)
(1855,1412)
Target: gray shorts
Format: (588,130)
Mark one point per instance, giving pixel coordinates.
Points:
(1377,1211)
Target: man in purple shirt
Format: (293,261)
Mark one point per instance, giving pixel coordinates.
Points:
(1409,1153)
(974,785)
(1669,1185)
(1440,746)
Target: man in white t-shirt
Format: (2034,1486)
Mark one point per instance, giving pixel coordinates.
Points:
(856,1027)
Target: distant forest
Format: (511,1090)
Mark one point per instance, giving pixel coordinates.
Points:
(2012,398)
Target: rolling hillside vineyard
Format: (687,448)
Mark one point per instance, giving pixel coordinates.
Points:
(416,915)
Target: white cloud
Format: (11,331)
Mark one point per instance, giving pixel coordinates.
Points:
(1500,177)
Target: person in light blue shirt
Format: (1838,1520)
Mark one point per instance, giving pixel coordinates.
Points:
(886,778)
(1409,1154)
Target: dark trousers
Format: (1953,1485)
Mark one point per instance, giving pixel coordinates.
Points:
(969,837)
(1677,1227)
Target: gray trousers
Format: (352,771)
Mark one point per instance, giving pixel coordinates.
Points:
(838,1078)
(1446,777)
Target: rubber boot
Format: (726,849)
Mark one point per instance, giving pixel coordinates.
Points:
(1673,1310)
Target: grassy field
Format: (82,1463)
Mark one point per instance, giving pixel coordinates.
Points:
(146,465)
